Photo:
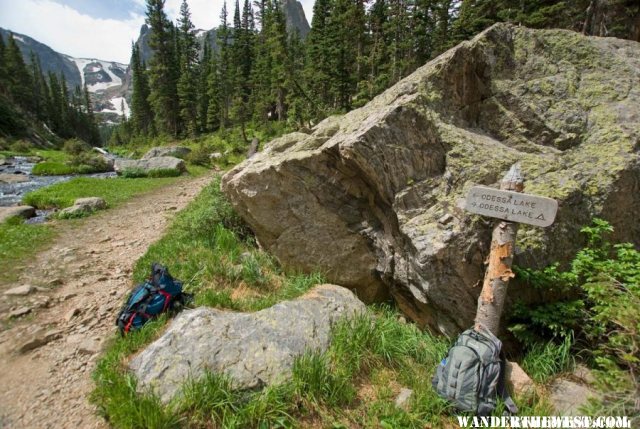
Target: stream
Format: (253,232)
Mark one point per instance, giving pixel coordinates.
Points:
(19,168)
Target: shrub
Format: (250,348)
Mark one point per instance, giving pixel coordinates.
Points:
(75,147)
(20,146)
(606,278)
(200,155)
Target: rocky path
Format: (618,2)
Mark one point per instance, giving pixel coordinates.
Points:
(70,295)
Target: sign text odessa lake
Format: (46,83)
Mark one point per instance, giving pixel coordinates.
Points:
(511,206)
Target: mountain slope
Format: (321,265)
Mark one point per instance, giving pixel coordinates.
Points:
(50,60)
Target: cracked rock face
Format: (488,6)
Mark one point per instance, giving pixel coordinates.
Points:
(254,349)
(373,199)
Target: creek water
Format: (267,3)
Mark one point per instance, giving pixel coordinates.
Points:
(11,193)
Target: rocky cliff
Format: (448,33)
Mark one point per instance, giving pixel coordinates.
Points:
(374,198)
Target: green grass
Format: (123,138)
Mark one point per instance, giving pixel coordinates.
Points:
(113,190)
(543,361)
(351,385)
(19,241)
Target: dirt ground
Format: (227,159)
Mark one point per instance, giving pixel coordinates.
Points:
(79,283)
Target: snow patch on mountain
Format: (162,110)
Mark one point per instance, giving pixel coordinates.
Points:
(80,63)
(119,106)
(100,75)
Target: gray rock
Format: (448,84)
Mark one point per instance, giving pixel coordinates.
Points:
(360,197)
(402,400)
(89,347)
(215,155)
(39,339)
(21,211)
(85,205)
(20,290)
(151,164)
(254,349)
(567,397)
(517,380)
(13,178)
(19,312)
(175,151)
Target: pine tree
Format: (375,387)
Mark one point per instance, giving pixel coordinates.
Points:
(377,61)
(214,114)
(18,76)
(423,25)
(141,114)
(224,69)
(320,55)
(204,70)
(188,64)
(39,89)
(4,76)
(163,73)
(55,100)
(93,133)
(65,109)
(243,51)
(300,107)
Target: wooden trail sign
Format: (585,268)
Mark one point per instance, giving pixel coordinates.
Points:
(512,206)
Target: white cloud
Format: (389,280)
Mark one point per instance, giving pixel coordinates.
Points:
(68,31)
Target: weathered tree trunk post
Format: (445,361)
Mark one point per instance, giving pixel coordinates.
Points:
(496,279)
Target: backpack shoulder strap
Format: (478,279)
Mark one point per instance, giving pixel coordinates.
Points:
(512,408)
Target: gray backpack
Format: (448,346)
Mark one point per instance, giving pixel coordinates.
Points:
(472,374)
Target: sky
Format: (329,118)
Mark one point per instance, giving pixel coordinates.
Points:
(102,29)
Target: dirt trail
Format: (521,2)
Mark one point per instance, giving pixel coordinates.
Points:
(82,278)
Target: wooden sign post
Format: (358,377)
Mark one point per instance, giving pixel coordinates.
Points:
(513,207)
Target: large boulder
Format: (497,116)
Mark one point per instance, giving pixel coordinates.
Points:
(16,211)
(151,164)
(373,199)
(175,151)
(253,349)
(82,206)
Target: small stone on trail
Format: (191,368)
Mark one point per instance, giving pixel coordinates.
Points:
(67,296)
(20,290)
(71,314)
(39,339)
(402,400)
(19,312)
(89,347)
(55,282)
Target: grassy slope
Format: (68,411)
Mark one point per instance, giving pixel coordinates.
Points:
(112,190)
(353,384)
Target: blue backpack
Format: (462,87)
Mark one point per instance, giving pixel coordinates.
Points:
(159,293)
